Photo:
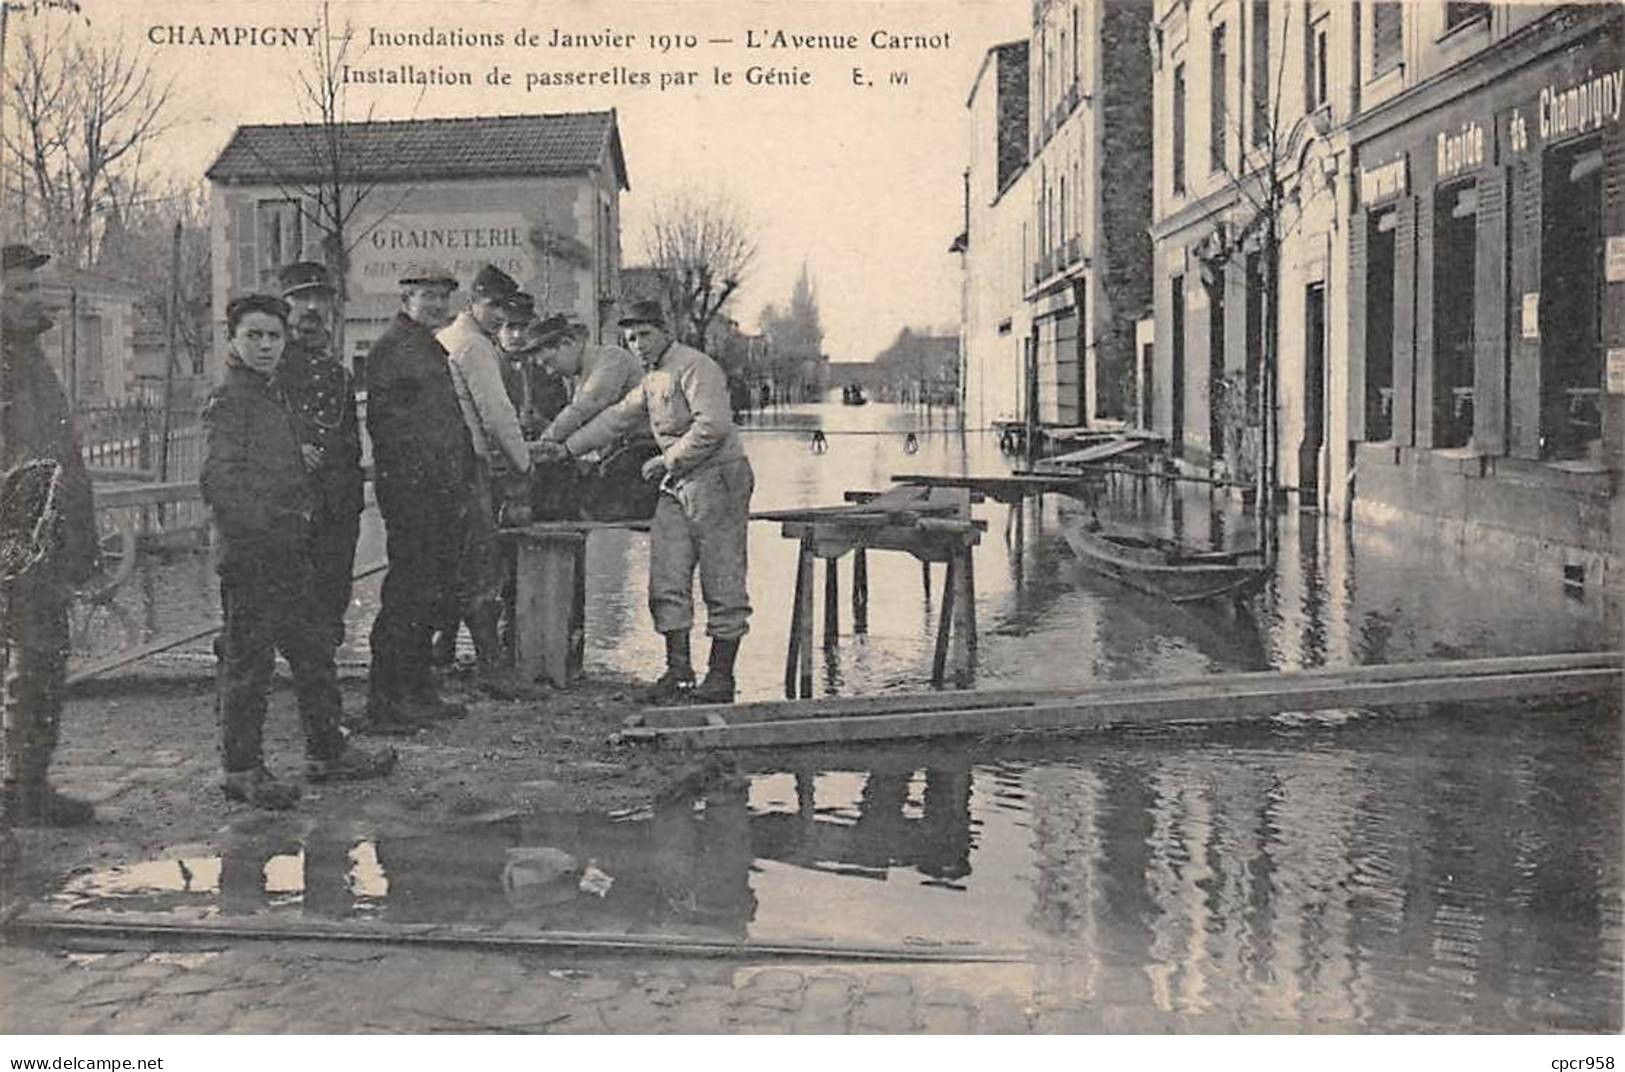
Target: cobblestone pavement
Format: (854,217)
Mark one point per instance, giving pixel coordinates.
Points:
(303,987)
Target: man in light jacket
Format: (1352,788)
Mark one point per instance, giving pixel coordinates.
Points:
(704,511)
(499,449)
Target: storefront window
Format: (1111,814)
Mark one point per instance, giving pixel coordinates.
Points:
(1379,327)
(1455,251)
(1571,299)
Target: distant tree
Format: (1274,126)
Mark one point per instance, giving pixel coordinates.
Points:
(701,246)
(324,177)
(796,337)
(80,113)
(137,246)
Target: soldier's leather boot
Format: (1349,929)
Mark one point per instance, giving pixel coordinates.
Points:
(677,682)
(425,704)
(718,686)
(491,674)
(260,788)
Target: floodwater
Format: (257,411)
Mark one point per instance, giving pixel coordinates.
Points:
(1451,868)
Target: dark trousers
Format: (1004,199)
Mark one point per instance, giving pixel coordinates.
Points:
(423,537)
(332,564)
(33,662)
(269,608)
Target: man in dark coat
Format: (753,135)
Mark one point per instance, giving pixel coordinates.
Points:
(423,467)
(35,427)
(321,395)
(263,499)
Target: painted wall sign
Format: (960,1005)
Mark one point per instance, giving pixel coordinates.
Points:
(1616,372)
(1385,182)
(1531,315)
(1614,265)
(1567,108)
(458,241)
(1461,150)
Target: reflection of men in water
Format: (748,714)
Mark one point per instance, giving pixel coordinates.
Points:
(702,860)
(704,511)
(321,395)
(35,426)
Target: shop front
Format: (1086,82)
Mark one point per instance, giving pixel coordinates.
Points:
(1487,254)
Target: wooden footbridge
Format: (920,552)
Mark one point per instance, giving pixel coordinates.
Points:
(1213,698)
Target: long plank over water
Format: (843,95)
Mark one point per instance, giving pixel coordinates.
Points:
(1211,698)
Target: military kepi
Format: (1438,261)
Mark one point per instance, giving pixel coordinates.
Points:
(20,255)
(303,276)
(241,306)
(418,274)
(519,306)
(644,312)
(493,282)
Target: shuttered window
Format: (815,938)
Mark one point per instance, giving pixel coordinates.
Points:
(1179,129)
(1218,99)
(1387,36)
(1262,83)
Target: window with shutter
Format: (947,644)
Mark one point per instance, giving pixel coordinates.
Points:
(1261,71)
(1179,129)
(1387,36)
(1219,103)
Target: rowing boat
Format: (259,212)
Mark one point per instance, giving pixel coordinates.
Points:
(1164,567)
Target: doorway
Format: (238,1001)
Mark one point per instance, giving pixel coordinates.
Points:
(1314,393)
(1571,300)
(1455,264)
(1379,328)
(1176,371)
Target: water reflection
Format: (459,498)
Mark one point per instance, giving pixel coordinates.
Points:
(1454,872)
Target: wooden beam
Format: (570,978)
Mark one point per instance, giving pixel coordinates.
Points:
(1215,686)
(1154,705)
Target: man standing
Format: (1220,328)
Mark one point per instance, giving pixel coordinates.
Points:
(35,427)
(258,486)
(704,511)
(423,463)
(500,451)
(321,395)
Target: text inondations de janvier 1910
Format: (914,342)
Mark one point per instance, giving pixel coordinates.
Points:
(536,59)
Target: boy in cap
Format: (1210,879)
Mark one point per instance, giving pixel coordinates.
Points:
(35,430)
(704,510)
(257,485)
(423,463)
(321,395)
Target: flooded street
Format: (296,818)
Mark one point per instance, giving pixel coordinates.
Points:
(1443,869)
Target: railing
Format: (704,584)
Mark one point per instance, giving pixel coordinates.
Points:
(128,437)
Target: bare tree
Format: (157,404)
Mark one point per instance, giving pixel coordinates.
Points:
(81,113)
(1265,175)
(701,245)
(327,176)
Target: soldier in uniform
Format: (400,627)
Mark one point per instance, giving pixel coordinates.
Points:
(603,374)
(538,394)
(321,395)
(501,454)
(35,427)
(423,463)
(704,510)
(260,491)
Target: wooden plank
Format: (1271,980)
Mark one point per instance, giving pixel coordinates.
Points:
(804,622)
(832,601)
(1153,706)
(1215,686)
(860,590)
(108,498)
(544,597)
(792,651)
(124,657)
(945,623)
(1099,452)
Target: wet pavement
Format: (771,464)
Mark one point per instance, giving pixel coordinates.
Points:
(1420,870)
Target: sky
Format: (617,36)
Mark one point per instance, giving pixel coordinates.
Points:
(862,183)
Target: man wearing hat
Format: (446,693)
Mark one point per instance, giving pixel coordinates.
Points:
(321,395)
(603,374)
(704,511)
(423,462)
(36,431)
(499,450)
(537,393)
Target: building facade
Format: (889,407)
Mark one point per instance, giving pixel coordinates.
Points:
(539,199)
(1487,344)
(1057,257)
(995,245)
(1088,278)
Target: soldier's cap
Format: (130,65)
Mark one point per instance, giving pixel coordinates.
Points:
(239,307)
(519,306)
(644,312)
(420,273)
(558,329)
(493,282)
(303,275)
(22,255)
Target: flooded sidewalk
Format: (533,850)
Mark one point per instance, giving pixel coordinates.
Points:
(1450,868)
